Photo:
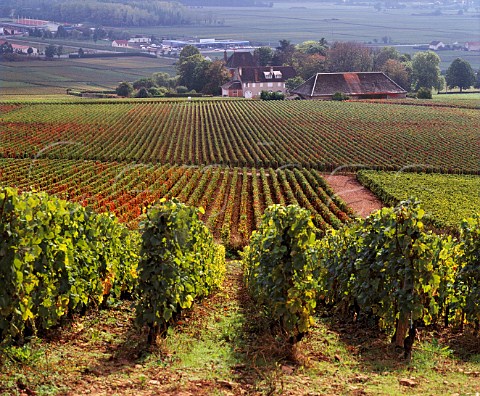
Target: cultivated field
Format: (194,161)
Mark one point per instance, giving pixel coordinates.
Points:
(234,198)
(234,158)
(306,21)
(446,199)
(319,135)
(35,77)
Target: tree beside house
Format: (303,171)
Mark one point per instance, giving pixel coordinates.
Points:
(249,79)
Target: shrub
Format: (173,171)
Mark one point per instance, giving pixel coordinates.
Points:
(468,275)
(124,89)
(390,267)
(339,96)
(56,258)
(266,95)
(424,93)
(181,89)
(180,262)
(279,267)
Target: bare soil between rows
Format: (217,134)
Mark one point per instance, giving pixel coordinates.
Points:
(358,197)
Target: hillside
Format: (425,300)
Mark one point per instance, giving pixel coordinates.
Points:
(320,135)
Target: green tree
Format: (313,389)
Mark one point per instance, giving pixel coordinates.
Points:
(50,51)
(460,74)
(143,93)
(30,51)
(191,71)
(283,53)
(308,65)
(61,32)
(163,79)
(263,55)
(311,47)
(124,89)
(380,57)
(398,72)
(294,82)
(215,76)
(81,52)
(426,70)
(424,93)
(59,51)
(143,83)
(349,57)
(477,80)
(187,51)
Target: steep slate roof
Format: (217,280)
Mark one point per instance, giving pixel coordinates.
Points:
(361,83)
(240,59)
(235,84)
(259,74)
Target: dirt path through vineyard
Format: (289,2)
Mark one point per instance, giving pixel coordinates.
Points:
(358,197)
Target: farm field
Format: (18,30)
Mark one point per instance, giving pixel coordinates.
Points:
(35,77)
(320,135)
(300,21)
(465,100)
(446,199)
(234,199)
(234,158)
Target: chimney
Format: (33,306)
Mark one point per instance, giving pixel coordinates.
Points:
(225,57)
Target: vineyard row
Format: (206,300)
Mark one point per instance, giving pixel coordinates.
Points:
(234,198)
(256,134)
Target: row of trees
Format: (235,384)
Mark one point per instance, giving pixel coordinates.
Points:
(421,70)
(195,74)
(138,13)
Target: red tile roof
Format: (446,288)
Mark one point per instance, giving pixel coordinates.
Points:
(361,83)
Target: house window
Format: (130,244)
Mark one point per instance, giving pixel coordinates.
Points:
(261,85)
(270,85)
(279,84)
(253,85)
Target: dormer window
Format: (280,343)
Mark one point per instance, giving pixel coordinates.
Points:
(272,74)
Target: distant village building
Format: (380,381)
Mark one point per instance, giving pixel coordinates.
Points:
(436,45)
(23,49)
(22,26)
(206,43)
(248,80)
(361,85)
(472,46)
(120,43)
(140,40)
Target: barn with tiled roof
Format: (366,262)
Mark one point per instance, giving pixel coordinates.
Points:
(360,85)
